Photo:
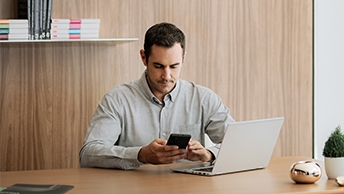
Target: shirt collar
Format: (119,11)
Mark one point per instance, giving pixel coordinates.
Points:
(174,93)
(148,93)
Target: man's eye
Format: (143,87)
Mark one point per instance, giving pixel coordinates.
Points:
(158,66)
(174,66)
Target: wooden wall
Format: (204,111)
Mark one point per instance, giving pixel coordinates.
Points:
(256,54)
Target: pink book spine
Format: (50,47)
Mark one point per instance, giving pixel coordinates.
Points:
(74,26)
(3,36)
(74,36)
(75,21)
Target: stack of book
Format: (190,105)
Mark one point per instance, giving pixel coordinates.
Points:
(38,14)
(75,28)
(14,29)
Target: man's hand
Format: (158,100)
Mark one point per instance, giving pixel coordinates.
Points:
(157,152)
(197,152)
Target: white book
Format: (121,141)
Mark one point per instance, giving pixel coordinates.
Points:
(75,21)
(74,36)
(18,36)
(18,25)
(14,21)
(22,35)
(18,31)
(55,26)
(74,31)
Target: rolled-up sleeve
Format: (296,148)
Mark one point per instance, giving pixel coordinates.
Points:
(99,149)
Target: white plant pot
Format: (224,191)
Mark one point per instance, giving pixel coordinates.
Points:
(334,167)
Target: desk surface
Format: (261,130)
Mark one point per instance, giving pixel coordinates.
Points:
(159,179)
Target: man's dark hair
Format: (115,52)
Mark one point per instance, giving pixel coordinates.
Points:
(163,34)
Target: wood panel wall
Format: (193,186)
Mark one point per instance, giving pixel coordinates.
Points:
(256,54)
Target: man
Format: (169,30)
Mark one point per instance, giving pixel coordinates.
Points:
(133,121)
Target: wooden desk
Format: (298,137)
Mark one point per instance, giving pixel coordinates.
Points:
(159,179)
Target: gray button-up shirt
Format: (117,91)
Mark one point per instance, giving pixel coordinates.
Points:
(130,117)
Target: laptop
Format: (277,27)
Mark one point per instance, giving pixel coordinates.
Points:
(247,145)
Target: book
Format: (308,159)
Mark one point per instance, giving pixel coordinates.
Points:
(74,31)
(48,19)
(24,12)
(75,21)
(13,36)
(4,30)
(36,4)
(29,18)
(22,9)
(13,30)
(18,25)
(38,14)
(4,25)
(13,21)
(55,26)
(37,188)
(44,18)
(14,24)
(75,36)
(40,19)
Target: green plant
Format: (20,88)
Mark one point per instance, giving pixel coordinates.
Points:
(334,146)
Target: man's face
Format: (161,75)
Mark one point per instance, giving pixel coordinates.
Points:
(163,68)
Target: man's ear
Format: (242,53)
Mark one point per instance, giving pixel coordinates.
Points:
(184,56)
(143,57)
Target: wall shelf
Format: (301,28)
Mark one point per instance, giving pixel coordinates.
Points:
(72,40)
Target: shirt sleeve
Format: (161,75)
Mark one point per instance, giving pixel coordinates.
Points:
(100,149)
(218,118)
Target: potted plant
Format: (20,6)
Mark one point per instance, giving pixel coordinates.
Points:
(334,154)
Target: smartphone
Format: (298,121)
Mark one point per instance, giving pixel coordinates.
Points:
(181,140)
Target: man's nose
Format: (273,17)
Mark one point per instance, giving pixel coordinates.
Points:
(166,73)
